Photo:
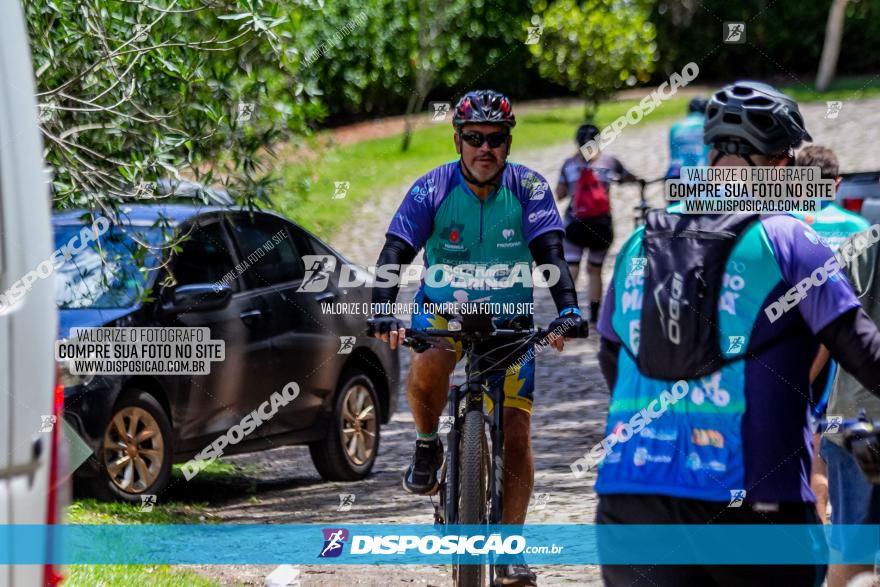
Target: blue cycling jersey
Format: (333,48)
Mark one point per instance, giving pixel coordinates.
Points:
(745,426)
(686,147)
(455,227)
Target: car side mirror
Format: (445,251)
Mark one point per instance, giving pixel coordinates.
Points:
(197,297)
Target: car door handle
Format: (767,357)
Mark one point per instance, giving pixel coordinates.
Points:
(251,317)
(327,296)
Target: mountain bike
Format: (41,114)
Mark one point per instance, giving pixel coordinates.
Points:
(470,486)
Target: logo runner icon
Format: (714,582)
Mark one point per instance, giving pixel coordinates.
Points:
(318,269)
(334,540)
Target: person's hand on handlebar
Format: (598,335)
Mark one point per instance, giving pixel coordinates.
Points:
(387,328)
(568,325)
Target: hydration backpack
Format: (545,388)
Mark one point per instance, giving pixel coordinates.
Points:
(686,256)
(590,197)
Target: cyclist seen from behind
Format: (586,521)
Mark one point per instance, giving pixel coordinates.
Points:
(588,224)
(686,146)
(834,225)
(480,209)
(687,313)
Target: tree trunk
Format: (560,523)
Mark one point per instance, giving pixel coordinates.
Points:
(424,81)
(831,47)
(411,105)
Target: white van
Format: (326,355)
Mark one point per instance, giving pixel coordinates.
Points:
(30,459)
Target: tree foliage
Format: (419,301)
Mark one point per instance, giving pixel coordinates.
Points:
(134,90)
(595,47)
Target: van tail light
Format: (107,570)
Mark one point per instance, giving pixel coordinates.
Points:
(57,497)
(854,204)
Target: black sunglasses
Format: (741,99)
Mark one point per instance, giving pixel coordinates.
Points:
(476,139)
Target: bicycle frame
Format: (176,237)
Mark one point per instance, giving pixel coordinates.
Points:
(464,398)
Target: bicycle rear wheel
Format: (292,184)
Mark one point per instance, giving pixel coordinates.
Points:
(473,475)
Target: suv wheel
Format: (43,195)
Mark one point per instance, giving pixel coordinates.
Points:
(349,451)
(134,458)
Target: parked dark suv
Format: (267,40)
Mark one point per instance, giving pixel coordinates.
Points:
(139,425)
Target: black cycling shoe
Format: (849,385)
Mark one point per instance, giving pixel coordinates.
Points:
(516,573)
(421,476)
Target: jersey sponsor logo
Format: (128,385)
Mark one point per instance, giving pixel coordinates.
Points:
(710,388)
(695,463)
(707,437)
(535,186)
(641,457)
(507,234)
(452,237)
(420,192)
(535,216)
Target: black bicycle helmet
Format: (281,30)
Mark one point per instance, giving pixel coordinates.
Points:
(586,133)
(484,106)
(751,117)
(698,104)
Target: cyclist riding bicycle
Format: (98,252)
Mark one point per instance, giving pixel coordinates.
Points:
(695,300)
(588,224)
(483,210)
(686,147)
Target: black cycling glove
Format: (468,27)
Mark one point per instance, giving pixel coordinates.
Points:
(383,324)
(570,325)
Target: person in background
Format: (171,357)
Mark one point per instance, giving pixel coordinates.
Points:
(686,147)
(853,499)
(834,225)
(587,219)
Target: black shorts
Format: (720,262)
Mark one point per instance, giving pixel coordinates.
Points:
(662,509)
(592,234)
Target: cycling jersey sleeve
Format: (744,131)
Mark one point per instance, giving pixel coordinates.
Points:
(605,313)
(853,340)
(547,250)
(396,253)
(414,219)
(809,267)
(539,207)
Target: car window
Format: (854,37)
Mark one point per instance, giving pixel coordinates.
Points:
(205,258)
(105,273)
(268,251)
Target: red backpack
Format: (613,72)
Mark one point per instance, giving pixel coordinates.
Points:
(590,197)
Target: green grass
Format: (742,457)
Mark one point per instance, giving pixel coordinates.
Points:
(90,511)
(848,88)
(129,575)
(371,166)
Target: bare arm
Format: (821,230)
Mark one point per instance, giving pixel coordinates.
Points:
(561,190)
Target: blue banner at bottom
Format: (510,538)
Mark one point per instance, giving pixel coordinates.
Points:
(562,544)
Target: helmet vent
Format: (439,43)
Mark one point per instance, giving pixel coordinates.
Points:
(759,101)
(762,121)
(741,91)
(732,118)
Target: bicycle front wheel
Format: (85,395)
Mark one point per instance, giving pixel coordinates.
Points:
(473,475)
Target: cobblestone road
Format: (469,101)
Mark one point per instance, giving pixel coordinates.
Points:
(571,397)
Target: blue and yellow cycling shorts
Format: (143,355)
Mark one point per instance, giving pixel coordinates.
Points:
(511,367)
